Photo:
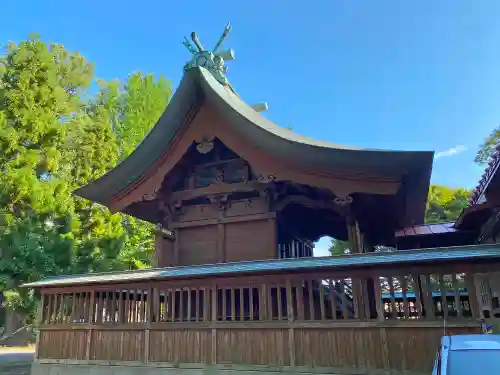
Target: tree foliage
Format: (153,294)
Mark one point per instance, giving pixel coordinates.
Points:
(52,141)
(487,148)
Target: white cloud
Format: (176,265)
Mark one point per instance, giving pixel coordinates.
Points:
(450,152)
(321,247)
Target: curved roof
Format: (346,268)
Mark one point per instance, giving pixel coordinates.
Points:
(198,85)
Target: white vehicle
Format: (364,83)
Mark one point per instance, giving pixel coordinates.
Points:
(468,354)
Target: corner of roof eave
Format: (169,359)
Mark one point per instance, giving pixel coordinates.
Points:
(93,190)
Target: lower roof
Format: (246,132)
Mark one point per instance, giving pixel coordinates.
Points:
(461,253)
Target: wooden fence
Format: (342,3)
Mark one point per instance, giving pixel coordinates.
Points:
(325,320)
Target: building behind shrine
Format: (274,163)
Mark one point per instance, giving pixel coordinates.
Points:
(238,202)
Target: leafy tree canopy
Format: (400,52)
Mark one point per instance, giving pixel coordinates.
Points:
(52,141)
(487,148)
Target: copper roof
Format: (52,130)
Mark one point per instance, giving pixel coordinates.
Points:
(402,257)
(419,230)
(486,178)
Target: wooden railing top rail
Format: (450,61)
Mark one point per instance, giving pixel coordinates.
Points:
(390,261)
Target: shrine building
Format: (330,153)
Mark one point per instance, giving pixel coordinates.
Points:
(238,203)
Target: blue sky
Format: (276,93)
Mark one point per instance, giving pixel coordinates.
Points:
(415,75)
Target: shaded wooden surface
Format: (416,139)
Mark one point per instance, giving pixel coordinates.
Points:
(305,320)
(401,347)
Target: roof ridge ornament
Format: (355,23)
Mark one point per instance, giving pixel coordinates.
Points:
(212,61)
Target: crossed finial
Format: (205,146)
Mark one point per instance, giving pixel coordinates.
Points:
(199,46)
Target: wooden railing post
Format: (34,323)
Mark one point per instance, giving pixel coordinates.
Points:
(89,332)
(291,318)
(149,314)
(474,296)
(214,321)
(40,316)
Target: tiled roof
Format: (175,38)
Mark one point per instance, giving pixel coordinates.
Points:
(487,176)
(418,230)
(280,265)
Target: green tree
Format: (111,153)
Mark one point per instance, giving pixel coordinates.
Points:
(131,110)
(40,87)
(52,142)
(338,247)
(487,148)
(445,204)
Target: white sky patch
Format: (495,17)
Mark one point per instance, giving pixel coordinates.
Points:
(450,152)
(321,247)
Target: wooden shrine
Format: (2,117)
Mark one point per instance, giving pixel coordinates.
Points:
(239,202)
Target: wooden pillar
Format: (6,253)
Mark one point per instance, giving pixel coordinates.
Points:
(176,248)
(221,243)
(273,237)
(358,285)
(40,314)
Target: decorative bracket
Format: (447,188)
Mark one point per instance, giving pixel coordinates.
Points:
(343,201)
(220,200)
(205,145)
(268,178)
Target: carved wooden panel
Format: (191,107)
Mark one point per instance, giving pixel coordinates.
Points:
(197,245)
(249,240)
(199,212)
(247,207)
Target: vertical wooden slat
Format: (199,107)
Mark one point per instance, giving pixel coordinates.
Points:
(311,299)
(322,300)
(113,307)
(73,307)
(378,299)
(474,303)
(379,303)
(121,307)
(214,319)
(404,290)
(430,311)
(300,301)
(263,302)
(206,304)
(242,304)
(333,299)
(40,313)
(232,303)
(55,307)
(61,309)
(48,316)
(269,302)
(251,306)
(279,300)
(189,312)
(444,299)
(99,312)
(456,290)
(343,299)
(197,293)
(418,297)
(172,294)
(394,310)
(89,331)
(224,304)
(291,317)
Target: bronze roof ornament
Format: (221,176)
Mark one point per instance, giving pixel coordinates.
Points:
(212,61)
